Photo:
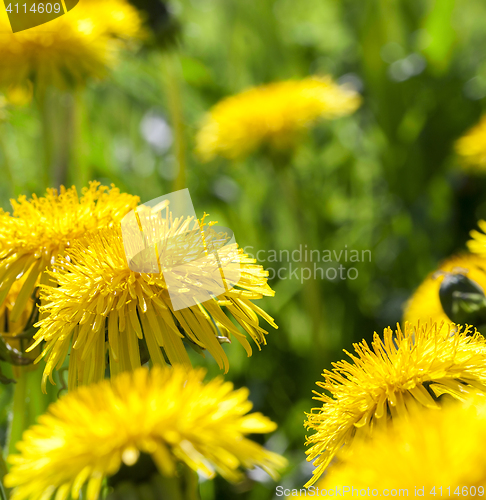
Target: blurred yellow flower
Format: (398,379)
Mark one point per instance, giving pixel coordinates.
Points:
(67,51)
(438,453)
(271,115)
(477,245)
(167,413)
(406,369)
(42,228)
(425,304)
(471,147)
(99,300)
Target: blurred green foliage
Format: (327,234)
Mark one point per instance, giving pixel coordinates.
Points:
(383,179)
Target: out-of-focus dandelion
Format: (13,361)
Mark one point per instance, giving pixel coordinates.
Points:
(436,451)
(471,147)
(477,245)
(100,300)
(167,414)
(405,369)
(42,228)
(272,115)
(70,49)
(425,304)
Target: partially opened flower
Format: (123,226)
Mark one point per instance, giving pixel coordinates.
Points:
(68,50)
(425,304)
(434,452)
(405,369)
(42,228)
(168,413)
(471,147)
(271,115)
(100,303)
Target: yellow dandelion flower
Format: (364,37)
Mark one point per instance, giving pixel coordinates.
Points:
(271,115)
(67,51)
(434,452)
(100,303)
(471,147)
(167,413)
(42,228)
(425,304)
(409,368)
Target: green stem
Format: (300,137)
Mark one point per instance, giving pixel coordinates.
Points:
(19,413)
(6,160)
(311,290)
(4,493)
(192,485)
(64,128)
(45,118)
(80,168)
(3,468)
(182,487)
(174,98)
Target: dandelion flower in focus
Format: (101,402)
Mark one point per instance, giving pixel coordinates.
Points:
(405,369)
(435,450)
(425,305)
(100,303)
(271,115)
(471,147)
(42,228)
(70,49)
(167,413)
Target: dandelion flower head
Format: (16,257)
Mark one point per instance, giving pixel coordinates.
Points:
(39,229)
(437,451)
(409,368)
(167,413)
(99,303)
(70,49)
(271,115)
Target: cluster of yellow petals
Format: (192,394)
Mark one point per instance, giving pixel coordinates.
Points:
(409,368)
(167,413)
(437,453)
(40,229)
(271,115)
(99,304)
(70,49)
(471,147)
